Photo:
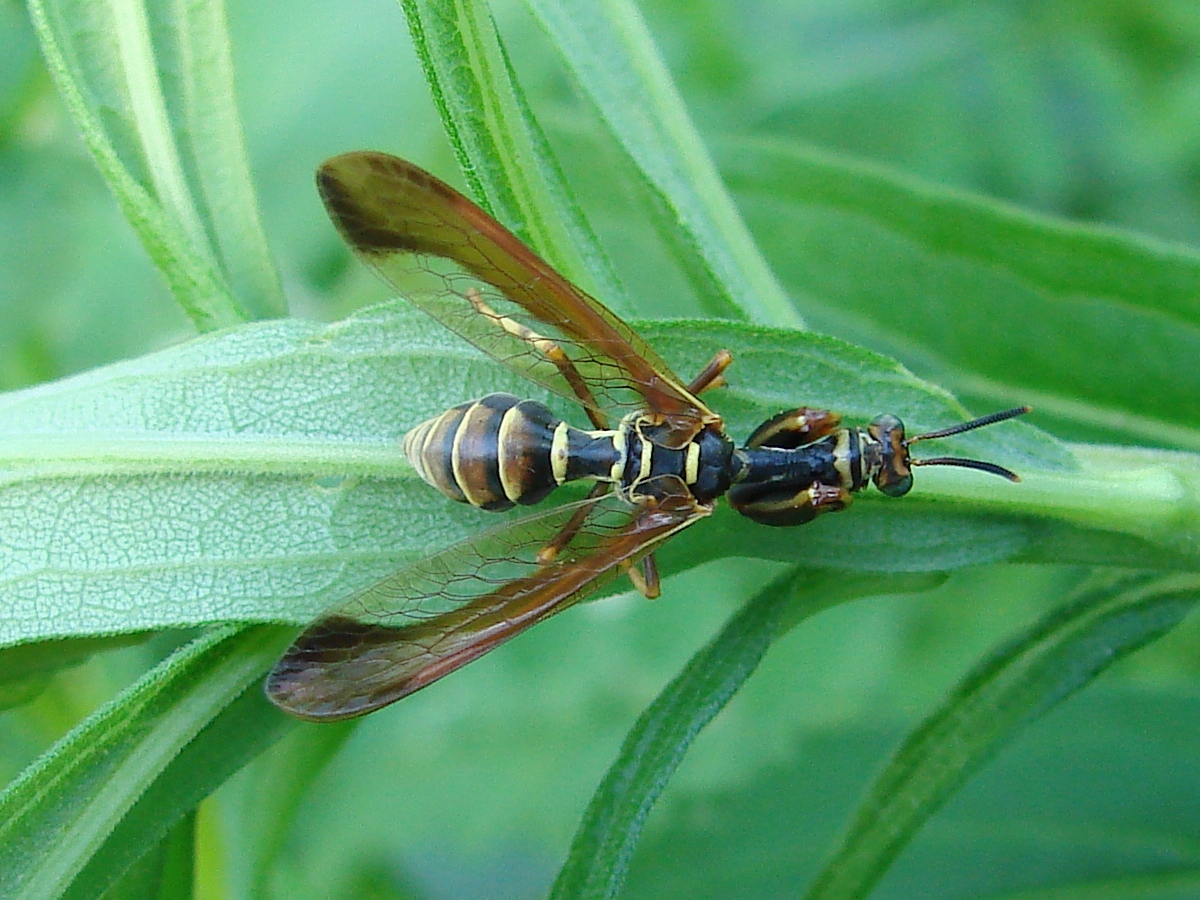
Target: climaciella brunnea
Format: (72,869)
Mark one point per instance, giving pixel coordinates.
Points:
(659,457)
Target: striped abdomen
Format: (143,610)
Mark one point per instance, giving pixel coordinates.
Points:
(501,450)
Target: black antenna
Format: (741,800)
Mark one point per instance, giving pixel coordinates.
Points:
(967,464)
(972,425)
(991,468)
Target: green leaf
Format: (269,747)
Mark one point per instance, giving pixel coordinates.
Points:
(256,475)
(109,791)
(1099,330)
(165,872)
(25,668)
(1094,798)
(601,852)
(244,471)
(196,68)
(615,63)
(1020,683)
(106,63)
(1157,886)
(264,481)
(499,144)
(280,780)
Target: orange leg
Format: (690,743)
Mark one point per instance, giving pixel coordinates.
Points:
(795,428)
(548,349)
(789,509)
(710,376)
(644,575)
(822,498)
(550,551)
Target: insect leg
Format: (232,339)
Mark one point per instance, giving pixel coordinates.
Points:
(644,575)
(566,534)
(548,349)
(710,376)
(794,428)
(822,498)
(783,508)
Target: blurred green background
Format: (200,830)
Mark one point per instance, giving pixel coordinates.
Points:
(473,788)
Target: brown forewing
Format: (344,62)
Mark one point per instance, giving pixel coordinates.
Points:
(407,224)
(427,620)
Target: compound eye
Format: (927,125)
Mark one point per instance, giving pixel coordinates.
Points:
(893,485)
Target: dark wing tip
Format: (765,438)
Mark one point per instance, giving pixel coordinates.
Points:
(357,190)
(325,676)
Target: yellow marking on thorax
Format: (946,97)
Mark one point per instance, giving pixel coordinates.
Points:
(841,457)
(691,469)
(647,459)
(559,452)
(621,445)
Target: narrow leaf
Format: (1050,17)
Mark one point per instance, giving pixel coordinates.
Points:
(196,37)
(1167,885)
(281,778)
(235,736)
(1093,327)
(99,796)
(103,62)
(26,668)
(991,706)
(604,844)
(617,66)
(166,872)
(500,147)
